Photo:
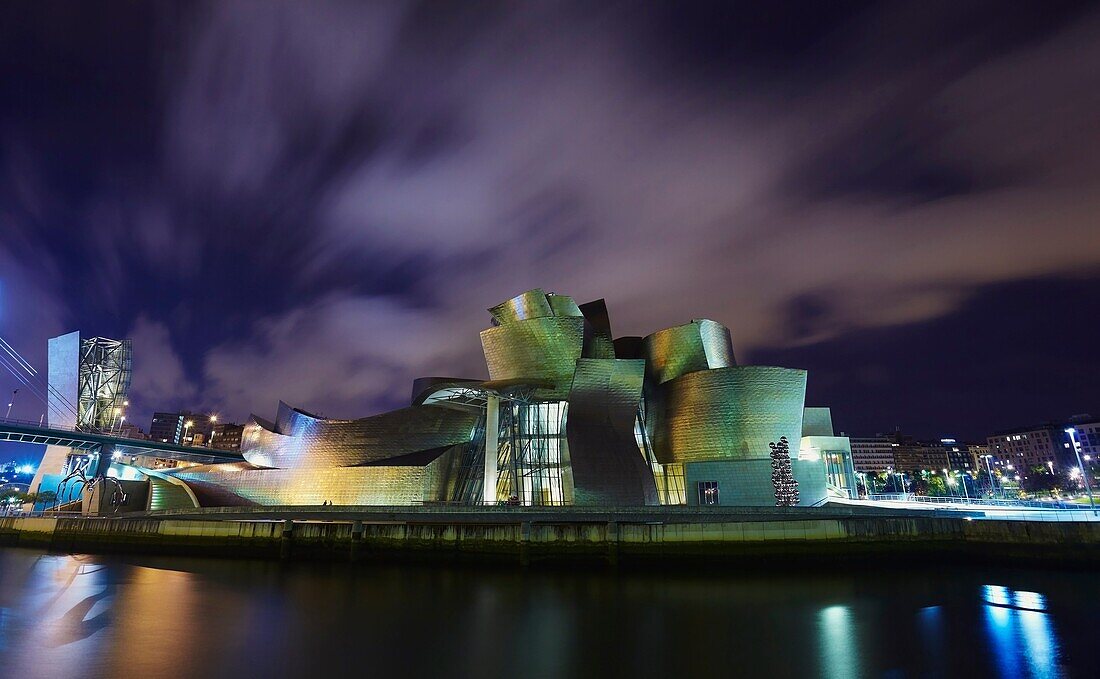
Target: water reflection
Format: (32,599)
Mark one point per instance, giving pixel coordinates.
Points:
(1022,636)
(930,620)
(95,617)
(839,654)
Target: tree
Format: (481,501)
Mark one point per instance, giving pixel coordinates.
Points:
(1039,480)
(936,487)
(47,497)
(786,488)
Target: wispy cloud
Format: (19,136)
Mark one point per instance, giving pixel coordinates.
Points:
(332,175)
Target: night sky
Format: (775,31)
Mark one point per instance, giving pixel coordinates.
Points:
(316,202)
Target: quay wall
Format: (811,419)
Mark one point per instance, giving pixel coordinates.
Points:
(858,538)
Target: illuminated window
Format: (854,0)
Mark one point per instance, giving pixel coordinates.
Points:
(708,492)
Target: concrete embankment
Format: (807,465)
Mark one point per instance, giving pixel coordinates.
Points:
(509,537)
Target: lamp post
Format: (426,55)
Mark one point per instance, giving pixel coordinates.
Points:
(187,429)
(1077,451)
(213,422)
(10,404)
(990,470)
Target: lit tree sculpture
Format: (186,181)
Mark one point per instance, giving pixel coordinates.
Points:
(786,488)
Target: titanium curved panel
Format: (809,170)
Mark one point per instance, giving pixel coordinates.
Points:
(728,413)
(599,342)
(563,305)
(608,469)
(717,344)
(380,485)
(309,442)
(700,345)
(530,304)
(537,349)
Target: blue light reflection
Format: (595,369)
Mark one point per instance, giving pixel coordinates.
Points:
(1022,639)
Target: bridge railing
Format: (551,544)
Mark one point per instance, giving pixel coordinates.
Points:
(975,501)
(76,429)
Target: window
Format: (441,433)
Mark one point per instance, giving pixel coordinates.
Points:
(708,492)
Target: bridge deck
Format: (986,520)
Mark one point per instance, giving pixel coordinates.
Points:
(30,432)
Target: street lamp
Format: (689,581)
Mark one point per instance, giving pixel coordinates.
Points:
(187,429)
(10,404)
(990,470)
(1077,451)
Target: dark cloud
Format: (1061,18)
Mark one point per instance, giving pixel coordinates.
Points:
(1014,354)
(316,201)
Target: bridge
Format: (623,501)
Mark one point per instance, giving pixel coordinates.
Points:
(107,445)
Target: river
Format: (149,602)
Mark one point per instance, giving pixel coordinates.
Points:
(88,616)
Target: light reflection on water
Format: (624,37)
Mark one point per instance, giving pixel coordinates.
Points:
(68,616)
(1023,638)
(839,655)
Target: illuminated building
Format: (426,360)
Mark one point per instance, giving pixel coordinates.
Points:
(1028,447)
(570,415)
(873,454)
(226,436)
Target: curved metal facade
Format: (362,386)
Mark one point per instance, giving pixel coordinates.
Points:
(598,340)
(700,345)
(608,468)
(563,305)
(299,440)
(531,304)
(379,485)
(727,413)
(537,348)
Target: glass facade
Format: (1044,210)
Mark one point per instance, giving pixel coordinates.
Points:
(670,483)
(532,438)
(531,457)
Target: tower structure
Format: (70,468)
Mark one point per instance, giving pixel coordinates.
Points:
(89,381)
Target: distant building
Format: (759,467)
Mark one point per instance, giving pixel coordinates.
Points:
(956,454)
(166,427)
(185,428)
(911,455)
(1088,436)
(226,436)
(131,431)
(1035,446)
(977,452)
(873,454)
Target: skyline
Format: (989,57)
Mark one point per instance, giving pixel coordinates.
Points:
(318,206)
